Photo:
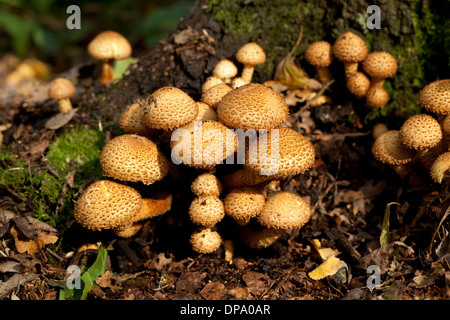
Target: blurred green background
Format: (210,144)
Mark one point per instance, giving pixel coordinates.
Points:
(37,28)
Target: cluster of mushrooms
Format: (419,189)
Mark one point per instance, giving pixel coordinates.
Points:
(229,104)
(351,50)
(423,139)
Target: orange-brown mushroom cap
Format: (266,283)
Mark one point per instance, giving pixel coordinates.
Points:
(206,184)
(421,132)
(440,167)
(244,203)
(350,49)
(389,149)
(61,88)
(109,45)
(206,211)
(435,97)
(205,240)
(380,64)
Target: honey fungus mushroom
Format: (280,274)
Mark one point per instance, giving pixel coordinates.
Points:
(133,158)
(244,203)
(109,46)
(250,55)
(435,97)
(206,210)
(107,204)
(169,108)
(252,106)
(319,54)
(350,49)
(205,240)
(285,210)
(62,89)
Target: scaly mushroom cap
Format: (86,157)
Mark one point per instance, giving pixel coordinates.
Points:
(213,95)
(319,54)
(440,167)
(206,184)
(251,54)
(244,203)
(131,120)
(350,47)
(380,64)
(107,204)
(389,149)
(212,140)
(435,97)
(243,177)
(378,130)
(285,210)
(206,211)
(358,84)
(225,70)
(128,231)
(420,132)
(210,82)
(205,240)
(169,108)
(295,154)
(205,112)
(376,97)
(61,88)
(252,106)
(446,125)
(260,239)
(134,158)
(109,45)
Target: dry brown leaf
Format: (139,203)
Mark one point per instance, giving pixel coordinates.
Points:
(33,245)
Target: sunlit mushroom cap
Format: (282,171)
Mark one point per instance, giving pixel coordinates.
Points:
(109,45)
(206,184)
(134,158)
(380,64)
(251,54)
(206,211)
(205,240)
(225,69)
(244,203)
(435,97)
(440,167)
(420,132)
(61,88)
(131,120)
(349,47)
(389,149)
(319,54)
(213,95)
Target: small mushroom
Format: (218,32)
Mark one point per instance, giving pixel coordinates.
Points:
(206,184)
(205,240)
(133,158)
(285,210)
(225,70)
(260,239)
(378,129)
(213,95)
(379,65)
(439,168)
(435,97)
(252,106)
(109,46)
(358,84)
(376,97)
(350,49)
(131,120)
(169,108)
(250,55)
(210,82)
(319,54)
(205,112)
(244,203)
(62,89)
(238,82)
(206,211)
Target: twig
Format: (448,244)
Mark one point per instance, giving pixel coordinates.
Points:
(308,104)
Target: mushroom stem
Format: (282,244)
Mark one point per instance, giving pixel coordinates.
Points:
(64,105)
(324,74)
(376,82)
(350,68)
(107,71)
(247,73)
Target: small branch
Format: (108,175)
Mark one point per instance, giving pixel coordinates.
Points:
(308,104)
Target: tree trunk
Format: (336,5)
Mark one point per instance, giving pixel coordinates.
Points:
(415,32)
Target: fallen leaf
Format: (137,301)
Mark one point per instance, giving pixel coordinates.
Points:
(17,279)
(328,268)
(33,245)
(257,283)
(324,253)
(213,291)
(60,119)
(382,257)
(10,266)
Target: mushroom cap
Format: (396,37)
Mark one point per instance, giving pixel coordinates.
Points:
(109,45)
(134,158)
(285,210)
(296,154)
(376,97)
(260,239)
(211,136)
(251,54)
(435,97)
(107,204)
(225,69)
(446,124)
(319,54)
(358,84)
(350,47)
(378,129)
(128,231)
(206,184)
(210,82)
(244,177)
(205,240)
(244,203)
(131,120)
(169,108)
(440,167)
(206,211)
(389,149)
(252,106)
(238,82)
(420,132)
(380,64)
(205,112)
(213,95)
(61,88)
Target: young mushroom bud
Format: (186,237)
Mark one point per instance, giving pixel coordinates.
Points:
(205,240)
(435,97)
(244,203)
(109,46)
(62,89)
(358,84)
(440,168)
(206,211)
(319,54)
(379,65)
(250,55)
(225,70)
(210,82)
(206,184)
(205,112)
(213,95)
(378,129)
(350,49)
(131,120)
(376,97)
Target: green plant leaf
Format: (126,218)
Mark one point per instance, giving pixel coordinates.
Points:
(18,29)
(384,236)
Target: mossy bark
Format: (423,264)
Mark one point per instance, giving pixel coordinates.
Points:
(416,32)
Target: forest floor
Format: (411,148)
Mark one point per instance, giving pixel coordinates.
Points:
(349,191)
